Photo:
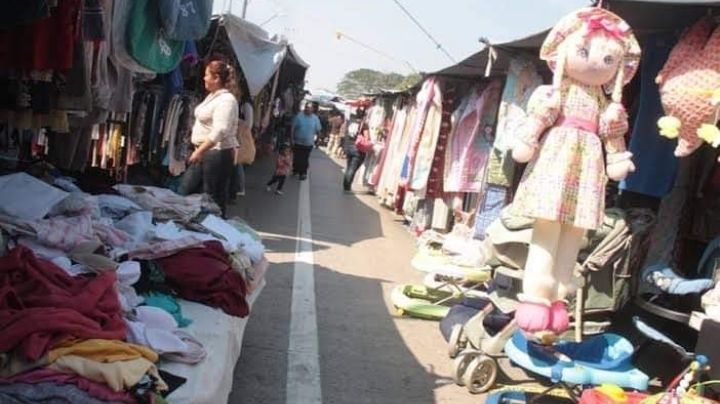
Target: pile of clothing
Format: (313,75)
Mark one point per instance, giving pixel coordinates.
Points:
(91,286)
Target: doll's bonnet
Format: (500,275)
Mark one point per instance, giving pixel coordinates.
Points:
(591,20)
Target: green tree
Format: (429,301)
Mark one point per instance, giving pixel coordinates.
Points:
(364,81)
(409,81)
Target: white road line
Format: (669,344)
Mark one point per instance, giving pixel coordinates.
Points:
(303,375)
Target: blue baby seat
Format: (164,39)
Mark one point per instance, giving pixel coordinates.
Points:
(603,359)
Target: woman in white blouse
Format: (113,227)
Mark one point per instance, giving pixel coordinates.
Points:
(213,136)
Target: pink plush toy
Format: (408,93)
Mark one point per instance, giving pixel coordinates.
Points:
(563,186)
(690,89)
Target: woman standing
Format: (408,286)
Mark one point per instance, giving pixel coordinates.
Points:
(213,136)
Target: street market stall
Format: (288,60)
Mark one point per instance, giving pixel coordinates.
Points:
(447,168)
(103,297)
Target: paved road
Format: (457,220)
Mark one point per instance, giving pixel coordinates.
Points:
(365,352)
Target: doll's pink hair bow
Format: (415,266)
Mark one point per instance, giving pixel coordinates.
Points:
(595,23)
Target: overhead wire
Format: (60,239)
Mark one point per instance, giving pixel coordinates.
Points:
(425,31)
(341,35)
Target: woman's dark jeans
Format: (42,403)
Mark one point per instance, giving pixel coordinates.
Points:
(210,176)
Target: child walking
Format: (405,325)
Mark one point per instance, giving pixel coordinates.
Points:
(282,166)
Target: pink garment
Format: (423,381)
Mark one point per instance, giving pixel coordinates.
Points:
(165,248)
(65,233)
(95,389)
(377,172)
(468,150)
(578,123)
(258,274)
(424,100)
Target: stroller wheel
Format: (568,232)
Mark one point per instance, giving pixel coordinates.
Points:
(455,344)
(461,363)
(480,374)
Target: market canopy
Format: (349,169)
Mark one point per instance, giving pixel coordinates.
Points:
(644,16)
(258,55)
(647,17)
(477,64)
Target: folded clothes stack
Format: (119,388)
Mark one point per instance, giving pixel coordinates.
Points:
(91,288)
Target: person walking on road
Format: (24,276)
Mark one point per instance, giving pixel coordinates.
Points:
(306,125)
(282,166)
(213,136)
(355,159)
(337,123)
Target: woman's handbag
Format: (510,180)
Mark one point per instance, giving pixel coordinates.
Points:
(363,144)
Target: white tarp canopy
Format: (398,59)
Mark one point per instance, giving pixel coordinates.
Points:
(258,55)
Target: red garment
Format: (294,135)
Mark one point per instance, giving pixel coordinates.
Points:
(437,171)
(97,390)
(283,165)
(205,275)
(47,43)
(41,305)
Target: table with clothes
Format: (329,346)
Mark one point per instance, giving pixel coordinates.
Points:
(134,296)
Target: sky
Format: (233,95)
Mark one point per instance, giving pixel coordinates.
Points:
(311,26)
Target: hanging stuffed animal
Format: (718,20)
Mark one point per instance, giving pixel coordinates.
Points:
(690,89)
(563,186)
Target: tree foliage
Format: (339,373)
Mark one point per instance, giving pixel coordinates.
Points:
(364,81)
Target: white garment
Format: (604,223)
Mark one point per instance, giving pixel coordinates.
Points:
(73,270)
(216,120)
(117,202)
(62,262)
(139,227)
(157,329)
(237,239)
(128,274)
(26,197)
(40,250)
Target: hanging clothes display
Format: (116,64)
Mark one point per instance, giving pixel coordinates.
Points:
(46,43)
(437,167)
(424,98)
(467,155)
(396,151)
(177,129)
(522,79)
(392,129)
(423,149)
(374,124)
(655,163)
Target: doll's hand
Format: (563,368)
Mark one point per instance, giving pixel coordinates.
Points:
(522,152)
(619,166)
(615,112)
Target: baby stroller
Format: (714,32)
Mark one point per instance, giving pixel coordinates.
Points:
(476,343)
(605,268)
(453,276)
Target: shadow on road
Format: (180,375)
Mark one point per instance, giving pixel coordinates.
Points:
(363,357)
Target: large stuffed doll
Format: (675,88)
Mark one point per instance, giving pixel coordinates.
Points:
(563,186)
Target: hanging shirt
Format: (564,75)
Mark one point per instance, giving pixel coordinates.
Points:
(216,120)
(306,126)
